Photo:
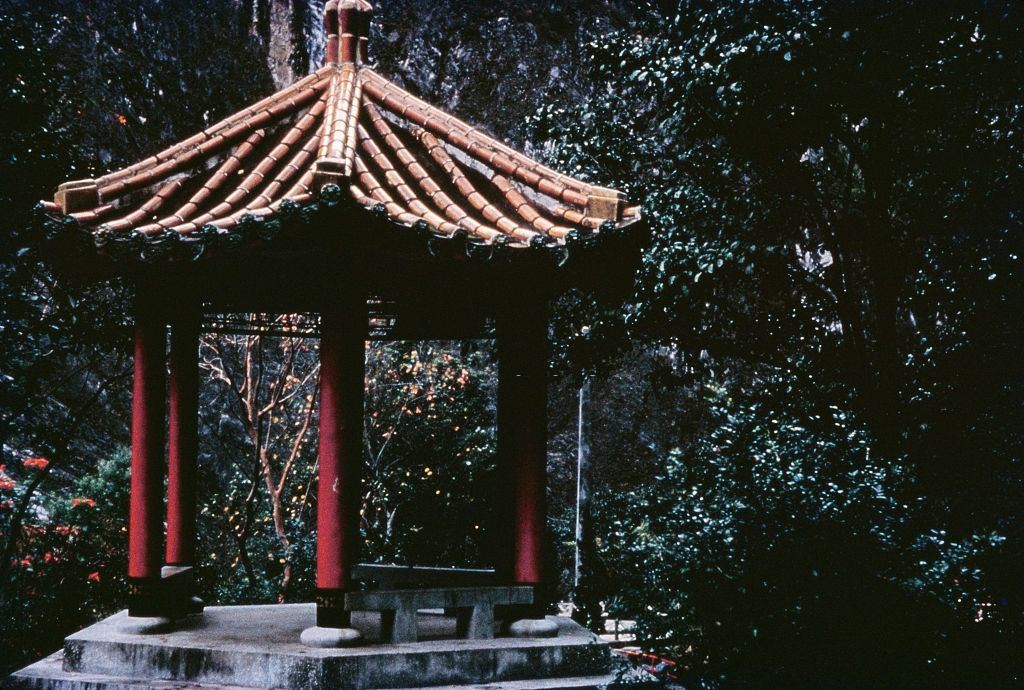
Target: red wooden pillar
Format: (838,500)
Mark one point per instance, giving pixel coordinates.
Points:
(522,436)
(145,523)
(342,360)
(183,441)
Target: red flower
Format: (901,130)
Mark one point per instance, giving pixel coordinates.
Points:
(121,119)
(36,463)
(94,577)
(6,483)
(75,502)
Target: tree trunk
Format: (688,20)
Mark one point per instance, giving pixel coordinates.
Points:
(280,528)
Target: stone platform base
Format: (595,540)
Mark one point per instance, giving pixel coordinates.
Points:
(258,647)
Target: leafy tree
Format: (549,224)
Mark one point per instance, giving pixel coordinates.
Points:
(266,444)
(777,549)
(71,566)
(835,190)
(86,87)
(79,75)
(429,443)
(428,471)
(806,444)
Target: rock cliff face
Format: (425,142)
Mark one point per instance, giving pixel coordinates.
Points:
(286,28)
(492,63)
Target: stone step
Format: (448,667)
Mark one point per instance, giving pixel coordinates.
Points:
(49,674)
(605,682)
(258,647)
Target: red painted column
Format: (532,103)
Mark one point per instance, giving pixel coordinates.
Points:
(342,360)
(145,520)
(183,440)
(522,436)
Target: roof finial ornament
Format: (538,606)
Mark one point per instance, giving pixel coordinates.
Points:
(331,29)
(347,24)
(365,14)
(347,28)
(604,204)
(78,195)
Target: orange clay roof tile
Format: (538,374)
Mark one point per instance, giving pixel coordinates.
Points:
(348,126)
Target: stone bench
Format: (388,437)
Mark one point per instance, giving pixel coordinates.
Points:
(473,606)
(387,576)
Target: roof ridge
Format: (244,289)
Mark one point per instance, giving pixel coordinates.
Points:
(286,94)
(334,162)
(383,85)
(93,194)
(598,203)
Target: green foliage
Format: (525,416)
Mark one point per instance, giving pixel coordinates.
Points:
(71,566)
(428,479)
(430,454)
(428,471)
(807,422)
(76,76)
(835,190)
(86,87)
(778,548)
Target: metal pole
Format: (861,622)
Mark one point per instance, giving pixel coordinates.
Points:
(582,476)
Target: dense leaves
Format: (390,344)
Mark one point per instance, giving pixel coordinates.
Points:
(836,194)
(85,87)
(70,567)
(428,442)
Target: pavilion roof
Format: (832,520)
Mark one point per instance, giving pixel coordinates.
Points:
(342,134)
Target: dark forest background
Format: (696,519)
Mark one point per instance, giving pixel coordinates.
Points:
(806,422)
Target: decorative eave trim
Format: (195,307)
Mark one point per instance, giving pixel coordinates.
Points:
(70,242)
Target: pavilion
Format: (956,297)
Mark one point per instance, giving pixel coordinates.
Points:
(347,196)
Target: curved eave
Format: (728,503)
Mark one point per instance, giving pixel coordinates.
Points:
(296,231)
(341,157)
